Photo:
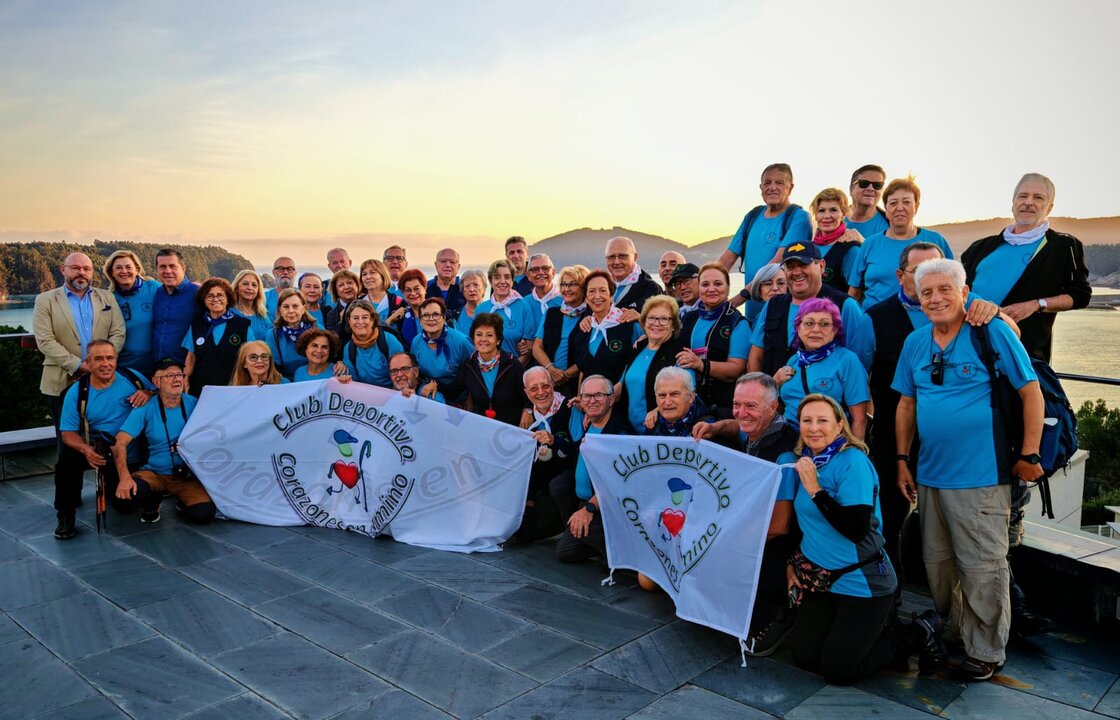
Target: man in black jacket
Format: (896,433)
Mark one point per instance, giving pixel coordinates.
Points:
(1033,272)
(634,284)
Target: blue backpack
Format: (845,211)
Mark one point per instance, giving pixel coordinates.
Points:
(1059,423)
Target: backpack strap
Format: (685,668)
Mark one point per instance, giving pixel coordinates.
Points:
(138,380)
(748,223)
(83,401)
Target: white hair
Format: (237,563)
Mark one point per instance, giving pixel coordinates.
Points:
(942,266)
(536,369)
(671,373)
(1050,189)
(475,274)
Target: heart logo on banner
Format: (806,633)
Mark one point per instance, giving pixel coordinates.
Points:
(673,520)
(346,472)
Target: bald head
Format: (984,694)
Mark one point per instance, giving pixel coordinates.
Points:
(621,256)
(77,272)
(667,264)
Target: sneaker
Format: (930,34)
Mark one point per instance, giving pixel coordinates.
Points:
(1025,623)
(974,670)
(764,643)
(150,517)
(67,528)
(932,654)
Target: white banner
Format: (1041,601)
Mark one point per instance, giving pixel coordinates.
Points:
(690,515)
(361,458)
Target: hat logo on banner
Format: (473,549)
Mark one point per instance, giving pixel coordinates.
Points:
(303,430)
(678,547)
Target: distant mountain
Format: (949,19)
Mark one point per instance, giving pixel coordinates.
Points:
(585,246)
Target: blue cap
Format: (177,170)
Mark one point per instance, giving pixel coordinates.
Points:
(803,252)
(342,437)
(677,485)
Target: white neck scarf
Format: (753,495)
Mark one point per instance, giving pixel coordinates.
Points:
(552,293)
(613,317)
(1030,236)
(495,306)
(540,422)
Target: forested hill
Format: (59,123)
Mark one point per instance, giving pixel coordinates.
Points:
(31,268)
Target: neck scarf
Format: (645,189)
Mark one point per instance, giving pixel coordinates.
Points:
(908,302)
(808,357)
(293,333)
(682,427)
(488,365)
(540,422)
(715,313)
(1030,236)
(613,317)
(365,344)
(686,309)
(214,322)
(132,290)
(827,239)
(828,453)
(631,278)
(570,311)
(439,340)
(552,293)
(495,306)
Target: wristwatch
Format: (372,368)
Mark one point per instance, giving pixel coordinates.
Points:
(1042,304)
(1033,459)
(590,507)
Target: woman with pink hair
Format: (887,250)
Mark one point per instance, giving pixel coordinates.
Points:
(822,366)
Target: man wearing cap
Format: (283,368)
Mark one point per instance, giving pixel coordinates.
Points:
(161,422)
(773,335)
(665,267)
(685,287)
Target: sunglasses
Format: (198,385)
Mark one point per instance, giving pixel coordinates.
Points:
(864,184)
(937,374)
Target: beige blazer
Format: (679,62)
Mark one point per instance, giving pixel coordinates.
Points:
(57,334)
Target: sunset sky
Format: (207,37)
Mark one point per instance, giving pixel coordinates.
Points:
(464,122)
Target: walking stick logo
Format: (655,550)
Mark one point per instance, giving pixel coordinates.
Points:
(350,475)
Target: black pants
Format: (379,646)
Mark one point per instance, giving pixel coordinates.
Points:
(68,473)
(773,595)
(845,638)
(894,507)
(571,549)
(54,407)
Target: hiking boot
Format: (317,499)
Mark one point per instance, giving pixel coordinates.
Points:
(973,670)
(932,654)
(150,517)
(67,527)
(765,642)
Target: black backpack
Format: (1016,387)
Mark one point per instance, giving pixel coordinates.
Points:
(1059,423)
(752,217)
(137,381)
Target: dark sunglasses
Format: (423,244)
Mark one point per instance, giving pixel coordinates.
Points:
(937,374)
(864,184)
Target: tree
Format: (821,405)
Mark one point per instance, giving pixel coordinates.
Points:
(1098,431)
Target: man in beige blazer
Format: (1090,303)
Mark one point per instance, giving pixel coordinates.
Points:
(66,319)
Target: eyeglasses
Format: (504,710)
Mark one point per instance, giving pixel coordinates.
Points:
(937,374)
(431,316)
(172,376)
(220,296)
(618,258)
(393,258)
(823,324)
(284,268)
(569,285)
(401,370)
(594,397)
(542,268)
(265,357)
(654,320)
(864,184)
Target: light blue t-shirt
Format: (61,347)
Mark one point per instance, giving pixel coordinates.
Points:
(138,317)
(106,409)
(955,418)
(740,338)
(489,378)
(765,238)
(516,325)
(146,421)
(259,327)
(998,273)
(303,375)
(850,479)
(373,366)
(537,312)
(878,260)
(463,322)
(284,354)
(567,326)
(840,376)
(318,315)
(442,368)
(584,489)
(218,331)
(859,333)
(877,224)
(634,379)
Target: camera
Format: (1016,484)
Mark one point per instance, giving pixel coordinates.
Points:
(183,473)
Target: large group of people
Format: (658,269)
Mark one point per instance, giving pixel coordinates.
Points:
(849,355)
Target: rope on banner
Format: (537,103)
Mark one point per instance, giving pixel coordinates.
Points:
(609,579)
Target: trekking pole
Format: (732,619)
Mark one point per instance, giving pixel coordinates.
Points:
(101,516)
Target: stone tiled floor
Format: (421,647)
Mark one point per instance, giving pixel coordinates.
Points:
(240,621)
